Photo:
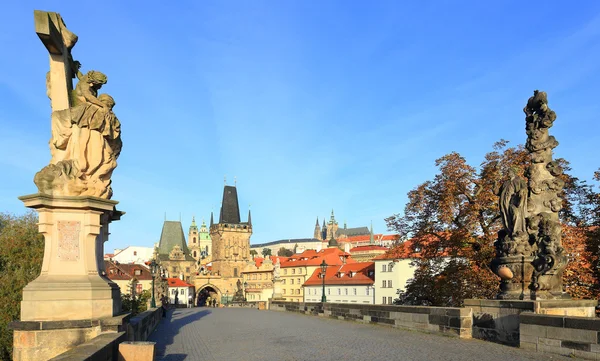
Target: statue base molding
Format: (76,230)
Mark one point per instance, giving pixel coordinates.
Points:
(72,285)
(43,340)
(498,320)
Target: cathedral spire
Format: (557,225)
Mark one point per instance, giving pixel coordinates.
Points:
(371,240)
(249,218)
(211,219)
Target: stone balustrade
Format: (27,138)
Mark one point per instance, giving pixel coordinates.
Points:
(450,321)
(563,335)
(105,346)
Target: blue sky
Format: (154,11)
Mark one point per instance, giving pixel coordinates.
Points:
(312,105)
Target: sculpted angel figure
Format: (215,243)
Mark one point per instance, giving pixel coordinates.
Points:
(513,203)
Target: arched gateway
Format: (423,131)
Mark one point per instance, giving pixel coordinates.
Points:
(207,291)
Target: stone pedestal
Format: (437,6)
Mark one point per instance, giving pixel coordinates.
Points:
(277,290)
(498,320)
(71,285)
(43,340)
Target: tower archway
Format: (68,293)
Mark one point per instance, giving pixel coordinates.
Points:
(205,292)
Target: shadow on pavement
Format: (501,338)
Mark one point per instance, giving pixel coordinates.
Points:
(165,333)
(174,357)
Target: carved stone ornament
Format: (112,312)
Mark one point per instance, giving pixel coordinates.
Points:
(85,132)
(529,246)
(68,240)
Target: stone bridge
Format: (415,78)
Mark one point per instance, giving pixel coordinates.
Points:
(249,334)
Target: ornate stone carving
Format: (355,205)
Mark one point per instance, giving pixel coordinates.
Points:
(68,240)
(86,134)
(530,242)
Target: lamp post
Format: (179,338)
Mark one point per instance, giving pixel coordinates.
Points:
(153,267)
(323,270)
(245,286)
(227,298)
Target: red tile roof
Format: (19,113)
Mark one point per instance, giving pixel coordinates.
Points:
(332,256)
(368,248)
(362,273)
(259,260)
(176,282)
(125,272)
(376,237)
(406,249)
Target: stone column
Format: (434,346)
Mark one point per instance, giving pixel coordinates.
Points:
(71,302)
(277,289)
(71,285)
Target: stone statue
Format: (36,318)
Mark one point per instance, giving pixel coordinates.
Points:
(513,204)
(277,270)
(530,258)
(86,134)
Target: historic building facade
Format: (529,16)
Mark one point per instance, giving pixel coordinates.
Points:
(332,230)
(200,243)
(173,254)
(230,251)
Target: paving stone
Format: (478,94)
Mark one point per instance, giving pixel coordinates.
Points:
(249,334)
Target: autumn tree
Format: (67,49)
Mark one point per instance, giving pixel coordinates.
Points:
(453,220)
(21,254)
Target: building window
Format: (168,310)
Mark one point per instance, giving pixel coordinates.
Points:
(367,288)
(187,270)
(384,300)
(194,239)
(298,281)
(235,272)
(174,269)
(137,272)
(390,300)
(283,282)
(346,291)
(299,270)
(292,281)
(284,271)
(383,268)
(339,291)
(135,253)
(293,271)
(138,288)
(329,291)
(354,291)
(194,254)
(298,292)
(284,291)
(389,283)
(383,284)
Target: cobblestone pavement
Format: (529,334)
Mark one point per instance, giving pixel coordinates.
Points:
(248,334)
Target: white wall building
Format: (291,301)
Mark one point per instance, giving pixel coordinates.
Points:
(180,291)
(133,254)
(349,283)
(391,275)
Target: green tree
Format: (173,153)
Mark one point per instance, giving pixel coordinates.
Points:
(21,255)
(266,252)
(140,304)
(253,253)
(284,252)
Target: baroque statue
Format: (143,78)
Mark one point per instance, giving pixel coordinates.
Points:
(85,137)
(530,258)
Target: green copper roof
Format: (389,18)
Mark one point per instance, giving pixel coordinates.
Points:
(172,235)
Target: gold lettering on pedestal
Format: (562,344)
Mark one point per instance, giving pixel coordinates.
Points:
(68,240)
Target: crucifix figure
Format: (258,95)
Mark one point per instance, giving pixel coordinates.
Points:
(59,41)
